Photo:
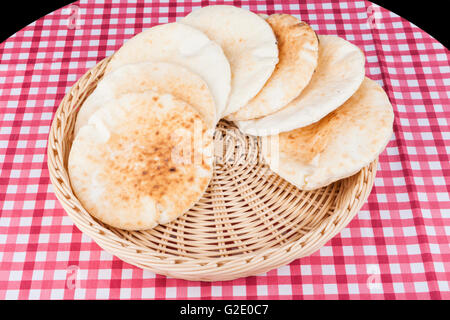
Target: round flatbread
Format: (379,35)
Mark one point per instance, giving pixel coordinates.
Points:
(336,147)
(142,160)
(298,49)
(249,44)
(159,77)
(183,45)
(340,71)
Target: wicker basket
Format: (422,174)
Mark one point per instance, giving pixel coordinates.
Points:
(249,220)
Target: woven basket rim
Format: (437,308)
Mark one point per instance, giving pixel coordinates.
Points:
(206,269)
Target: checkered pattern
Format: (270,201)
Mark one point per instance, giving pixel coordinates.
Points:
(396,248)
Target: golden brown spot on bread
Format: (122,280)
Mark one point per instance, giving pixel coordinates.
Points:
(306,143)
(205,165)
(142,162)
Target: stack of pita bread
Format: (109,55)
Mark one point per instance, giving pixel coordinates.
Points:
(142,153)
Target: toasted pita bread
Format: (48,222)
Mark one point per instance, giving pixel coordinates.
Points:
(183,45)
(159,77)
(249,44)
(298,48)
(126,167)
(338,146)
(340,71)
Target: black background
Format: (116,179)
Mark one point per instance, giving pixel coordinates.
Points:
(431,15)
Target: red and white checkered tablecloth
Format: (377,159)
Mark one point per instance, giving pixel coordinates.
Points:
(397,247)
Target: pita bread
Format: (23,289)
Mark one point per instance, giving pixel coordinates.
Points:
(338,146)
(340,71)
(126,166)
(159,77)
(298,48)
(183,45)
(249,44)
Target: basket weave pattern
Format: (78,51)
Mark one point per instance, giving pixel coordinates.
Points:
(248,221)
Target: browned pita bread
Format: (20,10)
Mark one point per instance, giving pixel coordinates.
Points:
(337,146)
(134,166)
(298,48)
(340,71)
